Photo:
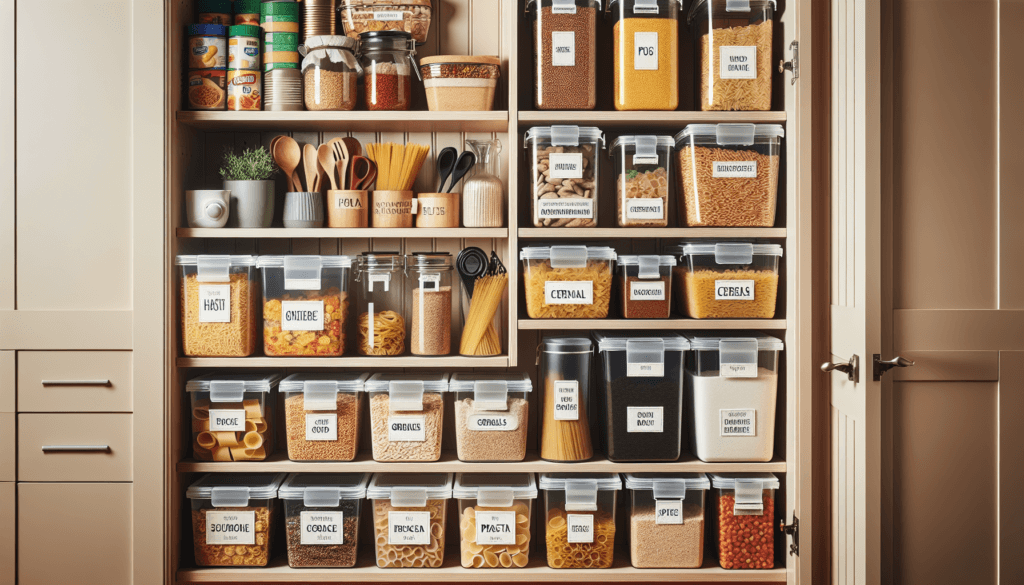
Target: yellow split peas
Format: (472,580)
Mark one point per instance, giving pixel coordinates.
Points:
(646,89)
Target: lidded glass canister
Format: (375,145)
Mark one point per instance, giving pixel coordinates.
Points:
(428,302)
(388,59)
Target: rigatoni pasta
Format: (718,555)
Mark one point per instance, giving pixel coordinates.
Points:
(390,555)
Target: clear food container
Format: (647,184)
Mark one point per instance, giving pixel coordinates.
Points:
(731,280)
(733,53)
(322,414)
(305,304)
(330,72)
(411,16)
(666,520)
(406,416)
(733,384)
(645,285)
(642,174)
(428,302)
(321,518)
(233,517)
(219,296)
(728,174)
(460,82)
(642,398)
(565,165)
(565,415)
(564,49)
(495,518)
(678,276)
(232,416)
(409,511)
(744,524)
(381,321)
(388,60)
(580,519)
(567,282)
(492,412)
(645,34)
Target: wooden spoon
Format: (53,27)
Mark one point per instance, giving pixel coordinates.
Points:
(288,155)
(309,163)
(354,148)
(325,154)
(358,171)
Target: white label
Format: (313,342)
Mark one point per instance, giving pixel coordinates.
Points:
(581,528)
(563,47)
(215,303)
(645,419)
(384,278)
(563,9)
(734,290)
(492,422)
(645,208)
(407,428)
(322,527)
(738,422)
(322,427)
(668,512)
(645,47)
(646,159)
(408,528)
(647,291)
(227,420)
(302,315)
(231,527)
(737,62)
(737,371)
(565,165)
(567,400)
(388,15)
(565,208)
(430,282)
(495,528)
(562,292)
(745,169)
(645,370)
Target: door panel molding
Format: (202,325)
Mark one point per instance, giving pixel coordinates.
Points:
(958,330)
(958,366)
(1011,471)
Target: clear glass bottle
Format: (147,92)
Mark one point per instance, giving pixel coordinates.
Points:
(483,194)
(428,302)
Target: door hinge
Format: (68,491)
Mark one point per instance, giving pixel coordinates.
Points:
(792,530)
(793,65)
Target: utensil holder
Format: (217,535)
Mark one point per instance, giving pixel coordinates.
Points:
(252,204)
(392,209)
(303,209)
(347,209)
(437,210)
(207,208)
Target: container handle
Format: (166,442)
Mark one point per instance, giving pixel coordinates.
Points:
(408,497)
(226,390)
(734,253)
(490,395)
(646,150)
(748,497)
(213,268)
(229,496)
(495,497)
(645,7)
(669,489)
(735,134)
(645,358)
(649,266)
(561,6)
(321,497)
(405,395)
(302,272)
(581,495)
(319,395)
(737,5)
(568,256)
(737,357)
(565,136)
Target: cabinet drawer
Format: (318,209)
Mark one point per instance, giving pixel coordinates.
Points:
(8,532)
(75,533)
(7,447)
(74,381)
(79,447)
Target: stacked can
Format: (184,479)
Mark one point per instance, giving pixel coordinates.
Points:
(283,82)
(247,12)
(214,12)
(244,76)
(318,18)
(207,66)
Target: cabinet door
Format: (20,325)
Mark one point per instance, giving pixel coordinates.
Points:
(8,530)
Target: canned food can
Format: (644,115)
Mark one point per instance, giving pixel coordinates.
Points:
(207,89)
(247,12)
(280,16)
(244,47)
(207,46)
(283,90)
(245,91)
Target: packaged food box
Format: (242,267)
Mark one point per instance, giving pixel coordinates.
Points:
(232,416)
(321,518)
(492,413)
(409,512)
(580,519)
(233,517)
(495,518)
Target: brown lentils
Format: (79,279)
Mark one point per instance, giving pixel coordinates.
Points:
(565,87)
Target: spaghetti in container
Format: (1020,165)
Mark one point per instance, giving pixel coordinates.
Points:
(218,305)
(409,512)
(567,282)
(305,304)
(565,413)
(232,416)
(579,527)
(381,320)
(495,518)
(733,53)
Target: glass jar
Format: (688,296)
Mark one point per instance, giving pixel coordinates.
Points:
(646,45)
(642,174)
(428,302)
(733,53)
(483,193)
(565,174)
(388,59)
(565,419)
(565,43)
(330,72)
(381,322)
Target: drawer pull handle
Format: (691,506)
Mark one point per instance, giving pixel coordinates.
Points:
(76,382)
(58,448)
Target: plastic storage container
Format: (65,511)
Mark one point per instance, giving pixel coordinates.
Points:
(388,59)
(646,48)
(232,416)
(580,526)
(495,518)
(642,398)
(219,300)
(565,164)
(428,302)
(666,520)
(733,385)
(733,53)
(642,179)
(565,415)
(406,416)
(567,282)
(322,413)
(744,524)
(457,83)
(233,516)
(728,174)
(645,285)
(411,16)
(564,49)
(678,276)
(381,321)
(409,511)
(321,518)
(330,72)
(731,280)
(492,412)
(305,304)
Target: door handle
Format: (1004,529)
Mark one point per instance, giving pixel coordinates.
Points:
(851,368)
(75,382)
(881,366)
(59,448)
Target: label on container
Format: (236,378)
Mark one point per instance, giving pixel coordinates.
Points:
(645,159)
(215,303)
(322,427)
(738,422)
(322,528)
(563,292)
(647,291)
(302,315)
(227,420)
(645,51)
(734,290)
(567,400)
(563,47)
(410,428)
(495,528)
(737,62)
(408,528)
(746,169)
(737,371)
(388,15)
(645,419)
(380,278)
(580,527)
(645,370)
(668,512)
(429,282)
(492,422)
(244,53)
(645,208)
(563,9)
(244,91)
(565,165)
(231,527)
(207,52)
(565,208)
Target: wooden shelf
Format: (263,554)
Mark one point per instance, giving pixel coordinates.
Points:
(625,120)
(703,324)
(648,232)
(357,121)
(408,233)
(345,362)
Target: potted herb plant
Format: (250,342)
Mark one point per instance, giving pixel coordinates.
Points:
(248,177)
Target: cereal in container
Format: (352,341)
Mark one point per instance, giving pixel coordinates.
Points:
(219,300)
(406,416)
(666,520)
(322,415)
(731,280)
(567,282)
(492,413)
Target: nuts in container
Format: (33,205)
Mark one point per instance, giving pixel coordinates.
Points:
(460,82)
(565,167)
(411,16)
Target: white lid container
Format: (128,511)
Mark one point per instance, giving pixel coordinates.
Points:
(407,415)
(580,484)
(324,490)
(231,387)
(235,490)
(567,256)
(410,489)
(322,415)
(667,485)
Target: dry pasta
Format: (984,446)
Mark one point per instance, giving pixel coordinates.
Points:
(388,334)
(217,555)
(727,201)
(736,94)
(397,165)
(479,337)
(563,440)
(247,445)
(478,556)
(330,341)
(539,272)
(700,294)
(409,556)
(563,554)
(236,338)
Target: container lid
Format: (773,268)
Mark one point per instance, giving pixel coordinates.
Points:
(646,145)
(567,256)
(387,39)
(731,134)
(304,272)
(714,340)
(380,260)
(668,486)
(323,388)
(643,6)
(230,387)
(732,252)
(324,490)
(645,354)
(428,260)
(333,48)
(244,30)
(406,390)
(234,490)
(561,6)
(607,341)
(580,488)
(210,268)
(490,391)
(565,135)
(748,487)
(411,490)
(737,354)
(565,345)
(461,59)
(495,490)
(332,41)
(728,6)
(247,6)
(649,265)
(215,30)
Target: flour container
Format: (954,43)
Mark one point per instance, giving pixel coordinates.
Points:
(233,518)
(495,517)
(666,519)
(409,511)
(743,521)
(321,512)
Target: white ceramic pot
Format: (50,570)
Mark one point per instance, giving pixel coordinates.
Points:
(207,208)
(252,203)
